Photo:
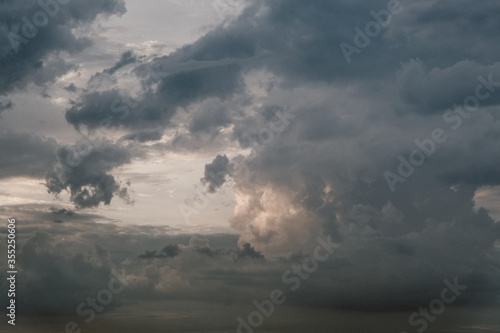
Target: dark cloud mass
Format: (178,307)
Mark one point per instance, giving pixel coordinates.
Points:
(86,176)
(216,173)
(24,53)
(33,53)
(307,136)
(317,166)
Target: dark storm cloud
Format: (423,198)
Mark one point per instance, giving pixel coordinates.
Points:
(216,173)
(33,36)
(273,35)
(169,251)
(348,123)
(24,47)
(87,180)
(177,90)
(323,174)
(326,173)
(112,109)
(247,251)
(299,41)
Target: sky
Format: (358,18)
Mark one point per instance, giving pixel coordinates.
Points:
(250,166)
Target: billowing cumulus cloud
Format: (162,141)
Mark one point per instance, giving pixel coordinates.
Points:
(84,174)
(32,34)
(34,38)
(216,173)
(346,125)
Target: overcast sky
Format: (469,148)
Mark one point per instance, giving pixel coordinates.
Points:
(344,152)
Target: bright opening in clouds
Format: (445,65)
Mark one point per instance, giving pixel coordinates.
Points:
(250,166)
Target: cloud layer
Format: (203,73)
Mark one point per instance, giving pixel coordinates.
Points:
(307,138)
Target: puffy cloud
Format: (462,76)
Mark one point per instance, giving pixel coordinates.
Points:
(216,173)
(28,50)
(171,250)
(84,173)
(248,251)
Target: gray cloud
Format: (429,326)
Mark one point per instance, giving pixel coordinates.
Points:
(33,52)
(247,251)
(213,66)
(125,59)
(169,251)
(34,45)
(216,173)
(322,174)
(437,89)
(86,177)
(57,278)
